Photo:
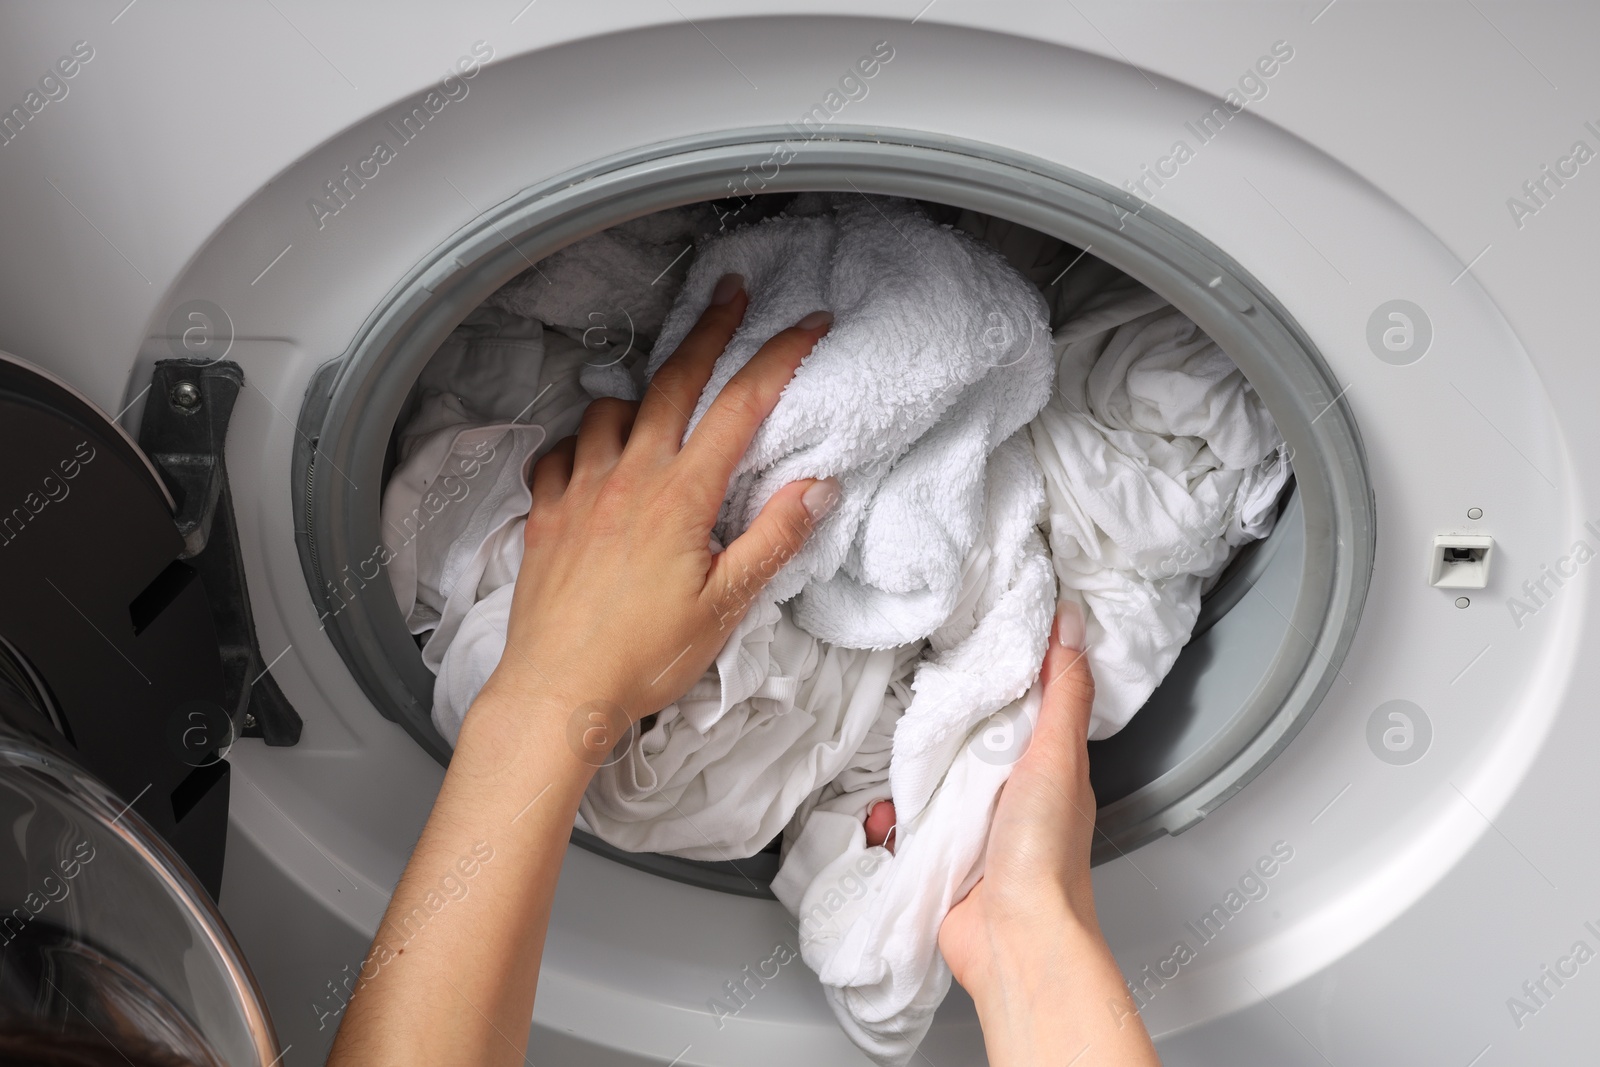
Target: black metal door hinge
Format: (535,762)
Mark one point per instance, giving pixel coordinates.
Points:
(184,432)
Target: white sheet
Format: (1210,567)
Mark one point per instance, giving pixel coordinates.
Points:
(1159,460)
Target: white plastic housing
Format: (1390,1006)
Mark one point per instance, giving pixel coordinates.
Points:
(1460,561)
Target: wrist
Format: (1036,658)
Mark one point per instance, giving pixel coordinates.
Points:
(1065,965)
(1037,961)
(550,681)
(514,739)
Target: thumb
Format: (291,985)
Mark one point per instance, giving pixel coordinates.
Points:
(1058,752)
(1068,685)
(745,567)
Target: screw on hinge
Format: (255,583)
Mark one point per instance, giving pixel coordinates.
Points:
(249,721)
(186,395)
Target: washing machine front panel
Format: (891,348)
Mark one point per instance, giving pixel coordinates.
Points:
(1346,878)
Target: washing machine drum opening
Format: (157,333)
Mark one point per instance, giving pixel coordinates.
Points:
(517,368)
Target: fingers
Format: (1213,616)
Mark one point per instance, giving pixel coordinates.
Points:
(745,567)
(676,386)
(1068,685)
(1061,735)
(719,441)
(602,434)
(879,824)
(553,471)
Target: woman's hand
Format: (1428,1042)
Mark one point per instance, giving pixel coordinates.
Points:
(1027,934)
(1037,862)
(620,603)
(619,606)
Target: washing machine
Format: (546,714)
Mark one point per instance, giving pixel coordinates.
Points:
(1351,826)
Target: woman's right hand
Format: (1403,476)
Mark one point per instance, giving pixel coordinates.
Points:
(1027,933)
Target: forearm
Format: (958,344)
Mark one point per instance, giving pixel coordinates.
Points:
(619,592)
(1056,996)
(454,966)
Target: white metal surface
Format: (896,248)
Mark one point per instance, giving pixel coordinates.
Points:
(1377,167)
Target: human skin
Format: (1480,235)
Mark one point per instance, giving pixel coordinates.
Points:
(1027,935)
(1025,941)
(620,605)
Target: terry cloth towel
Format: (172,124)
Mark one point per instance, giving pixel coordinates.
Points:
(1159,460)
(937,356)
(939,351)
(876,949)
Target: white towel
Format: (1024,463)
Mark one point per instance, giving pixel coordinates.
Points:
(1159,460)
(937,355)
(939,351)
(877,953)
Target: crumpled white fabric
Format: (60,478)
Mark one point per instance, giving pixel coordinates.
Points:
(938,355)
(614,286)
(499,392)
(914,400)
(1159,460)
(938,351)
(720,772)
(877,953)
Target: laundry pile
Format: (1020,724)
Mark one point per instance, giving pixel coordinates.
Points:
(1159,460)
(959,427)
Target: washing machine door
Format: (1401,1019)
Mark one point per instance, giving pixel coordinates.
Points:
(108,945)
(113,789)
(102,619)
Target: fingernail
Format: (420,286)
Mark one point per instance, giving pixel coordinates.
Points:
(815,319)
(821,498)
(1069,625)
(728,287)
